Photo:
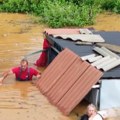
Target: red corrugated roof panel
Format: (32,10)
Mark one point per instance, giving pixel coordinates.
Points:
(67,80)
(56,69)
(62,31)
(79,90)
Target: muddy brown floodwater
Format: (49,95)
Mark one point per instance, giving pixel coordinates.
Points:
(19,36)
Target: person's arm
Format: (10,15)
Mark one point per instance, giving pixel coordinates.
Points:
(36,73)
(38,76)
(4,75)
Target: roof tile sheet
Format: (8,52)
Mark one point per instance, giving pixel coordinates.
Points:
(81,37)
(62,31)
(79,90)
(56,69)
(67,80)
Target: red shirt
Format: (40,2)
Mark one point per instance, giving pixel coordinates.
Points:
(23,75)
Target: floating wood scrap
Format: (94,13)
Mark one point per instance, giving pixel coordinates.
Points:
(107,61)
(82,37)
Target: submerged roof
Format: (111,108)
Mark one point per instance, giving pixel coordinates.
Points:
(111,38)
(67,80)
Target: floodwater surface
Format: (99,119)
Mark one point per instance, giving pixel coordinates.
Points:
(19,36)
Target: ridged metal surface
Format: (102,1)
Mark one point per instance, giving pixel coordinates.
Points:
(81,37)
(62,31)
(67,80)
(56,69)
(79,90)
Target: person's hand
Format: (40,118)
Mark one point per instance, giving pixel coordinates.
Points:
(38,76)
(1,81)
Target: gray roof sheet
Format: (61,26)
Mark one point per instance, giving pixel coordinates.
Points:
(82,50)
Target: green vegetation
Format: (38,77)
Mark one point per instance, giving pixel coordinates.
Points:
(61,13)
(111,5)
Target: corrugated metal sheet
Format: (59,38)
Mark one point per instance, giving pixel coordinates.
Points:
(112,47)
(56,69)
(81,37)
(83,50)
(79,90)
(68,31)
(67,80)
(86,57)
(62,31)
(100,61)
(110,52)
(109,63)
(105,52)
(105,63)
(93,59)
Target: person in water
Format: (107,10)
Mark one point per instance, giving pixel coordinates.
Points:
(92,114)
(22,72)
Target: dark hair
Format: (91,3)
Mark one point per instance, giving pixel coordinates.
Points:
(84,117)
(24,60)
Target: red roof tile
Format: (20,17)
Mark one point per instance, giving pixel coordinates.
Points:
(56,69)
(67,80)
(79,90)
(62,31)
